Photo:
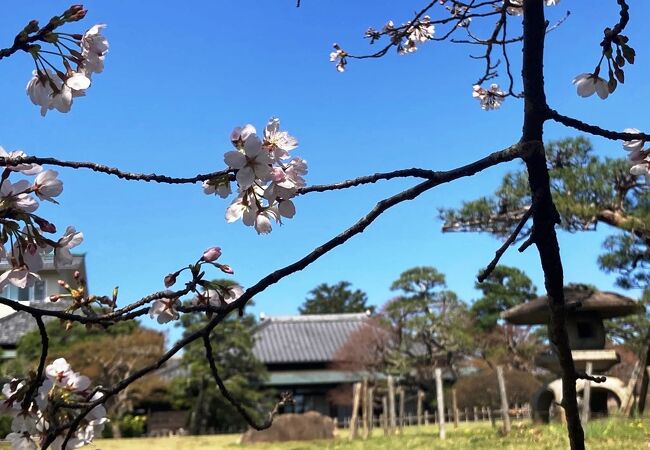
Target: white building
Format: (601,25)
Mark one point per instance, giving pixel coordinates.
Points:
(14,325)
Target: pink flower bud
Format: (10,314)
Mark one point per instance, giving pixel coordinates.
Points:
(211,254)
(62,283)
(226,269)
(170,280)
(55,298)
(77,274)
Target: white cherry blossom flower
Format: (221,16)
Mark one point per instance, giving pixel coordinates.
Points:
(642,168)
(634,145)
(240,135)
(287,209)
(242,207)
(222,189)
(164,310)
(21,441)
(263,220)
(76,382)
(489,98)
(15,195)
(280,142)
(420,32)
(78,81)
(20,277)
(252,163)
(47,185)
(11,404)
(233,293)
(40,91)
(94,47)
(339,57)
(70,239)
(589,83)
(58,371)
(62,99)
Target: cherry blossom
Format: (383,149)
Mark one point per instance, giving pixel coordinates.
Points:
(40,90)
(233,293)
(279,142)
(19,276)
(639,157)
(589,83)
(77,81)
(94,47)
(489,98)
(339,57)
(47,185)
(164,310)
(251,163)
(15,196)
(642,168)
(419,32)
(70,239)
(220,188)
(58,371)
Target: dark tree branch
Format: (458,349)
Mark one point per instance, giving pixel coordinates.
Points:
(38,379)
(285,397)
(499,253)
(595,130)
(595,379)
(113,170)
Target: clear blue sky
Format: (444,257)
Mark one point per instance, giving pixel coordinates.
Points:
(181,75)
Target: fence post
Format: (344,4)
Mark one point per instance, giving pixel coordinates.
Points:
(586,396)
(454,406)
(475,413)
(364,408)
(371,412)
(356,393)
(384,404)
(401,409)
(391,404)
(440,398)
(504,400)
(426,417)
(419,407)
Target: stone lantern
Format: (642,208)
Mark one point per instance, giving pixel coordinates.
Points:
(587,337)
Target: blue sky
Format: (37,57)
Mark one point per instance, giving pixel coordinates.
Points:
(180,76)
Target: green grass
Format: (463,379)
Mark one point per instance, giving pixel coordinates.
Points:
(601,434)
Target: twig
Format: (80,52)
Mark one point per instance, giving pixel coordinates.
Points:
(513,236)
(285,398)
(595,379)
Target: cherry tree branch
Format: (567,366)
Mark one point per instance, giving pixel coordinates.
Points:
(501,250)
(38,379)
(101,168)
(594,129)
(285,397)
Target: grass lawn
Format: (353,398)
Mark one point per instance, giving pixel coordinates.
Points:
(601,434)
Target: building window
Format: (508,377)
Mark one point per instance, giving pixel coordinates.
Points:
(34,293)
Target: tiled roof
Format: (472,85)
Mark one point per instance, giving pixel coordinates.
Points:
(301,339)
(16,325)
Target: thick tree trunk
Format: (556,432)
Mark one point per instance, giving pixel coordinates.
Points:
(545,215)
